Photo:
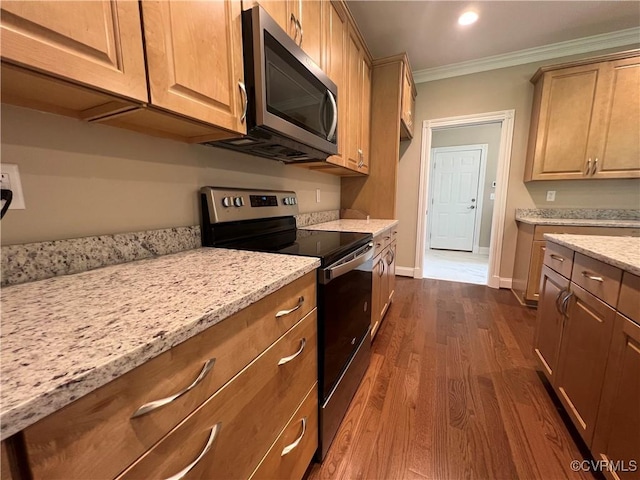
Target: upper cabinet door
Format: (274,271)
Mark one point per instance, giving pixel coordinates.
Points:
(311,29)
(620,134)
(97,43)
(194,56)
(354,101)
(568,103)
(365,122)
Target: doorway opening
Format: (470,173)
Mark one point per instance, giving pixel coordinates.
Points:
(464,171)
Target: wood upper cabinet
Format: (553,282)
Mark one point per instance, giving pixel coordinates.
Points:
(359,104)
(407,104)
(586,120)
(187,74)
(617,436)
(301,19)
(336,29)
(96,44)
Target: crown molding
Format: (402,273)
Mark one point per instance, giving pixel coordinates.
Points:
(630,36)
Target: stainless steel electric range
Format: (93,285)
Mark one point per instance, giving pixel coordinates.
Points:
(263,220)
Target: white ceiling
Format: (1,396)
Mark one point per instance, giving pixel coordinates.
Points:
(428,30)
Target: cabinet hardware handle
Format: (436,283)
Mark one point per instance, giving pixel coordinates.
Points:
(381,268)
(334,121)
(284,360)
(588,166)
(301,32)
(558,300)
(590,276)
(393,257)
(283,313)
(565,303)
(295,25)
(557,257)
(151,406)
(387,237)
(246,101)
(286,450)
(212,438)
(595,166)
(378,244)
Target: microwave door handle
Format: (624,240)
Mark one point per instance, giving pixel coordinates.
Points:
(334,122)
(323,108)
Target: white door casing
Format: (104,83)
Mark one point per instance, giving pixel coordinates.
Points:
(454,202)
(506,119)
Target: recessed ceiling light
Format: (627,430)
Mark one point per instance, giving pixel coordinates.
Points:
(467,18)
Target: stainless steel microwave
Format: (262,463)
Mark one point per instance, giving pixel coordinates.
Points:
(292,105)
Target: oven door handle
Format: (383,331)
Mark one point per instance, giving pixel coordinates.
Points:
(339,270)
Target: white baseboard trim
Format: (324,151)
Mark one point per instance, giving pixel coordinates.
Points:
(505,282)
(404,271)
(483,250)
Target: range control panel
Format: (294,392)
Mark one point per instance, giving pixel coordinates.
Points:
(233,204)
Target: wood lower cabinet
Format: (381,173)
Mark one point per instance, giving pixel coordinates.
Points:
(550,320)
(186,75)
(105,432)
(530,253)
(586,120)
(590,352)
(582,359)
(617,436)
(384,278)
(230,433)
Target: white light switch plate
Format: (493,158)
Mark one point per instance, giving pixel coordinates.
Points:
(551,196)
(10,178)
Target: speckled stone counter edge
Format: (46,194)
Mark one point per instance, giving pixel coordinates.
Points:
(37,261)
(591,246)
(579,213)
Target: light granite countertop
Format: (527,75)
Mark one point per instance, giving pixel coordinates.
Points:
(373,226)
(621,252)
(63,337)
(579,222)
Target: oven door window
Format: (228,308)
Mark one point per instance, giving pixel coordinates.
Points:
(293,93)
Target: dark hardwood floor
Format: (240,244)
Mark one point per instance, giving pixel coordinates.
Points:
(452,393)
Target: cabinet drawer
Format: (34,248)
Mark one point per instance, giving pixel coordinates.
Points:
(381,240)
(597,277)
(291,453)
(96,436)
(229,435)
(559,258)
(629,302)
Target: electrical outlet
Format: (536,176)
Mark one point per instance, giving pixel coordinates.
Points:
(551,196)
(317,195)
(10,179)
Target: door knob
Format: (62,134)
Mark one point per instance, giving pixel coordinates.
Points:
(471,207)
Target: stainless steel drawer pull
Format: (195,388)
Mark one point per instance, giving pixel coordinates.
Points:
(283,313)
(588,275)
(212,438)
(284,360)
(557,257)
(151,406)
(387,237)
(286,450)
(565,303)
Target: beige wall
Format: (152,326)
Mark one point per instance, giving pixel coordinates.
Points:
(489,134)
(503,89)
(83,179)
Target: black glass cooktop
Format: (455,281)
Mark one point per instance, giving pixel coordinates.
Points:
(328,246)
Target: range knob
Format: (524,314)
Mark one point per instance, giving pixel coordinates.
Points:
(294,200)
(238,202)
(286,201)
(227,201)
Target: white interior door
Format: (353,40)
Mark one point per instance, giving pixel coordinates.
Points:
(454,203)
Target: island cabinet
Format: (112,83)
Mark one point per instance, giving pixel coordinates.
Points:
(617,435)
(585,119)
(384,276)
(590,353)
(238,398)
(530,253)
(176,71)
